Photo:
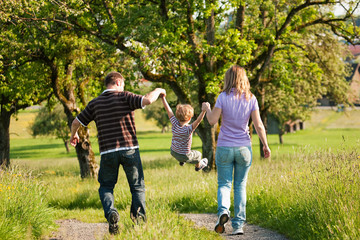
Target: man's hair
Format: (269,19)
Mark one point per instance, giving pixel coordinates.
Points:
(184,112)
(112,77)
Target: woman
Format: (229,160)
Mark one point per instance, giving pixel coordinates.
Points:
(234,153)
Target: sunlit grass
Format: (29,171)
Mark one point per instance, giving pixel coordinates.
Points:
(309,196)
(24,212)
(308,190)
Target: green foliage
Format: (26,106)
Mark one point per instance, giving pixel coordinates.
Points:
(51,123)
(24,212)
(157,112)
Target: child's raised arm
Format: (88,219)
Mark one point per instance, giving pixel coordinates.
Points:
(167,107)
(196,123)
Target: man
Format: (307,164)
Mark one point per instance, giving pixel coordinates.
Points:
(113,113)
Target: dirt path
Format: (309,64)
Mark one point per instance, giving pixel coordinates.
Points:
(251,232)
(71,229)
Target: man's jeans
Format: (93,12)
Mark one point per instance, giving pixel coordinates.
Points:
(108,175)
(229,160)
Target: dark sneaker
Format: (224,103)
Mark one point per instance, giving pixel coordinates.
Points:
(220,225)
(182,163)
(113,222)
(203,163)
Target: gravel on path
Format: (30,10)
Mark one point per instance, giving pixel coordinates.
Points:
(72,229)
(251,232)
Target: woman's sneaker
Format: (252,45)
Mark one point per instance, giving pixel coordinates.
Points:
(237,231)
(113,222)
(220,225)
(203,163)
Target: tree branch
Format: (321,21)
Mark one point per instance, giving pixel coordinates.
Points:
(108,11)
(171,81)
(295,10)
(240,16)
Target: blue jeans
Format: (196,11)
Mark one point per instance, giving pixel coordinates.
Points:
(108,175)
(231,160)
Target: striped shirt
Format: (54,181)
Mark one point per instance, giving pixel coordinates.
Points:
(113,113)
(182,137)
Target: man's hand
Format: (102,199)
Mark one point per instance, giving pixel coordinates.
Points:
(74,140)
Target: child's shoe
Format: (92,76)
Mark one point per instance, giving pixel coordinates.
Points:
(182,163)
(203,163)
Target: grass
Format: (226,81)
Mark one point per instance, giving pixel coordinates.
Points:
(24,211)
(313,196)
(309,189)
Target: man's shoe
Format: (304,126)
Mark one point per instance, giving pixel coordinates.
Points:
(113,222)
(237,231)
(220,225)
(182,163)
(203,163)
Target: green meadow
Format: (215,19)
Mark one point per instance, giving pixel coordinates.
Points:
(309,189)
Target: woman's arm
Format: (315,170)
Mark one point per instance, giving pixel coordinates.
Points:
(196,123)
(260,129)
(167,107)
(212,116)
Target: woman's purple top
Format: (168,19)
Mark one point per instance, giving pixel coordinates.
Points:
(235,113)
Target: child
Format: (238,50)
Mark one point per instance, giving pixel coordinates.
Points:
(182,134)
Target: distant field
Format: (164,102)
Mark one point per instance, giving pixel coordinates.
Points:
(319,133)
(329,119)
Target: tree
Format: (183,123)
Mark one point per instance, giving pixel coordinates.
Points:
(52,122)
(23,83)
(156,112)
(189,44)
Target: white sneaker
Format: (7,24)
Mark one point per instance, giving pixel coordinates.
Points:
(203,163)
(237,231)
(220,225)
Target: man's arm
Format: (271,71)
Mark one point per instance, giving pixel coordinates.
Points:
(74,139)
(196,123)
(167,107)
(153,96)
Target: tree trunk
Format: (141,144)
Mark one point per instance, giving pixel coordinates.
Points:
(5,137)
(66,143)
(84,152)
(207,136)
(281,133)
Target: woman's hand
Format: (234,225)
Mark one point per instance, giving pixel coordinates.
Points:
(205,106)
(267,152)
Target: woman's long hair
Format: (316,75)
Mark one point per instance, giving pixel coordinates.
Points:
(236,78)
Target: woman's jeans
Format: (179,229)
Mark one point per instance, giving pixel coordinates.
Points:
(108,175)
(231,160)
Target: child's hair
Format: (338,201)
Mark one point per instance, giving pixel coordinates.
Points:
(184,112)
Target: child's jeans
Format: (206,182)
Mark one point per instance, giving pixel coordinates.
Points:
(193,156)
